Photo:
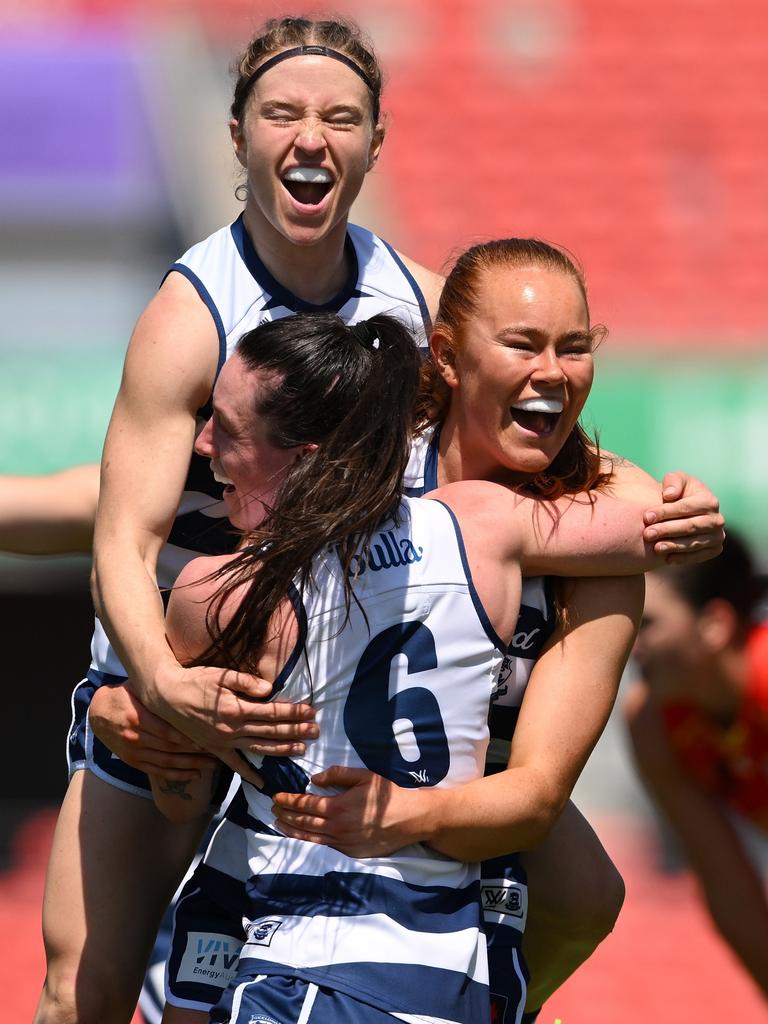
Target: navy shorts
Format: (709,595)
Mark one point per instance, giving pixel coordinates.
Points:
(84,750)
(284,999)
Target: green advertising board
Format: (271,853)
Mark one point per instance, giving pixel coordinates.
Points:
(708,416)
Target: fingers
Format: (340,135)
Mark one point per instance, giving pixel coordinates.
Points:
(245,685)
(706,506)
(308,837)
(336,775)
(673,485)
(697,536)
(175,766)
(302,803)
(241,766)
(301,822)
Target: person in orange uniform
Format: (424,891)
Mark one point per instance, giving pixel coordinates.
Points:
(698,724)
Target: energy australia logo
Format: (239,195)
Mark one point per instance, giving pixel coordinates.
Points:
(387,551)
(210,958)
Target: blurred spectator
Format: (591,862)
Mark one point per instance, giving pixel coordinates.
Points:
(698,723)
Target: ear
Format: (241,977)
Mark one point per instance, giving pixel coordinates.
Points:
(238,142)
(310,446)
(444,357)
(376,143)
(718,625)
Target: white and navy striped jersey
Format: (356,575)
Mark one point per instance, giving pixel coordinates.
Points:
(240,293)
(535,624)
(401,686)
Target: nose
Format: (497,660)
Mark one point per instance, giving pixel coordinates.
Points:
(548,368)
(204,442)
(311,137)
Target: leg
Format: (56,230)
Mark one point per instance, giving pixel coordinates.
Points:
(575,895)
(178,1015)
(114,866)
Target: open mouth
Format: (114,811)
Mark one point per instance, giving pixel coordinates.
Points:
(308,186)
(218,476)
(538,416)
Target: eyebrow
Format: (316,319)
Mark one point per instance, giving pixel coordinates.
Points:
(534,334)
(335,108)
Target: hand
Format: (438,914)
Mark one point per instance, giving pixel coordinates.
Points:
(688,527)
(372,817)
(221,709)
(140,738)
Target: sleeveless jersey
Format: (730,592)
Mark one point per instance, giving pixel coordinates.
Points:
(730,762)
(401,687)
(240,294)
(535,624)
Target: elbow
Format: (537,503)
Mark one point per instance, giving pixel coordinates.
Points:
(544,813)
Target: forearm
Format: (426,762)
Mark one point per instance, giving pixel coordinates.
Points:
(48,515)
(510,811)
(130,608)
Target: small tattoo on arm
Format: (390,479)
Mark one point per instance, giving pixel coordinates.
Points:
(176,787)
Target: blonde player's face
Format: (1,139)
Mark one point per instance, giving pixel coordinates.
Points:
(520,372)
(242,455)
(306,143)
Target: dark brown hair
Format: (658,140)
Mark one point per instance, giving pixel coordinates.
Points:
(351,390)
(284,33)
(577,467)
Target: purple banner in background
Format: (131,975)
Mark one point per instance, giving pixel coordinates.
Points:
(75,126)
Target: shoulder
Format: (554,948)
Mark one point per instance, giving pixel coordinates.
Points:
(175,343)
(430,283)
(195,588)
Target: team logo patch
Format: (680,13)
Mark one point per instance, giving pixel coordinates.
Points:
(210,959)
(261,1018)
(261,933)
(504,897)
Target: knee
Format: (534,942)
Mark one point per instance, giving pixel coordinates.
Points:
(607,903)
(71,997)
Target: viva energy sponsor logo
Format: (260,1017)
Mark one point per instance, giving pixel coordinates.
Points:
(505,897)
(210,958)
(386,551)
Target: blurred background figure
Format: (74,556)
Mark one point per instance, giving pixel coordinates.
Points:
(698,722)
(633,132)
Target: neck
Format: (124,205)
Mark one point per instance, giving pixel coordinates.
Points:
(315,272)
(454,463)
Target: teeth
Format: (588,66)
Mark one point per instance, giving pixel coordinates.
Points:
(219,477)
(309,175)
(551,405)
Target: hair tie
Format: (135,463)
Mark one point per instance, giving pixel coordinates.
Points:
(365,333)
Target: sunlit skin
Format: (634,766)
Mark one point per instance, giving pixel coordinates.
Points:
(308,111)
(239,446)
(530,339)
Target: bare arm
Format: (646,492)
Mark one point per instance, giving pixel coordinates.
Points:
(596,534)
(49,515)
(739,908)
(168,375)
(567,703)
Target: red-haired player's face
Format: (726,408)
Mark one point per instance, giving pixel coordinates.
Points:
(520,372)
(243,457)
(306,143)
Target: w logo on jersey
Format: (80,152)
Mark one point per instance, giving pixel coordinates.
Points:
(421,777)
(503,898)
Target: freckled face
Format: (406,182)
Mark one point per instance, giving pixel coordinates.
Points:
(306,143)
(520,372)
(237,442)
